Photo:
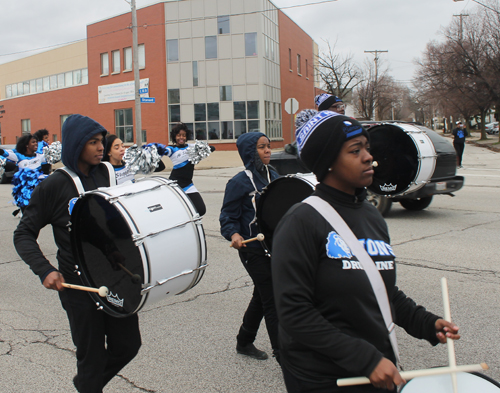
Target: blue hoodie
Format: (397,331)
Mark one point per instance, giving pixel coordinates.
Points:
(237,210)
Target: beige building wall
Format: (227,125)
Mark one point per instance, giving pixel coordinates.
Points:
(68,58)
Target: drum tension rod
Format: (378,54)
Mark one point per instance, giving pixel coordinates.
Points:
(165,280)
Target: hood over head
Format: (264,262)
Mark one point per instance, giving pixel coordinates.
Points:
(76,132)
(247,147)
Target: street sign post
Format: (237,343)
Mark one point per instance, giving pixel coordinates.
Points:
(291,107)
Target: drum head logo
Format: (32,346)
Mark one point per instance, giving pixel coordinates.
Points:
(388,187)
(336,247)
(114,300)
(71,205)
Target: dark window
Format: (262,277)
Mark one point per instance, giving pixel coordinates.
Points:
(174,113)
(200,112)
(225,93)
(239,110)
(223,24)
(174,96)
(195,73)
(200,131)
(213,130)
(240,127)
(252,109)
(213,111)
(253,126)
(124,125)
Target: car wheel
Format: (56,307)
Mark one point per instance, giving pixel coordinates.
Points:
(416,204)
(382,203)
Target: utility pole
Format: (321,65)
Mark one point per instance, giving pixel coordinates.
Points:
(137,82)
(375,53)
(461,16)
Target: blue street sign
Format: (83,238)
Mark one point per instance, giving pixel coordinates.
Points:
(148,100)
(143,91)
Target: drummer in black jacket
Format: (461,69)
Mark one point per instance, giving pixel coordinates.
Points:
(330,323)
(104,344)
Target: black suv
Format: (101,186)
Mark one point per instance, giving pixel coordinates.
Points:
(442,181)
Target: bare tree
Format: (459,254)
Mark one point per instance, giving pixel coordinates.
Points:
(339,74)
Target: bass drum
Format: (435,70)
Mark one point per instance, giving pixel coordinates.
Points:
(144,241)
(406,159)
(279,196)
(466,383)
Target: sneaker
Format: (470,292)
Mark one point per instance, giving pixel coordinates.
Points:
(251,351)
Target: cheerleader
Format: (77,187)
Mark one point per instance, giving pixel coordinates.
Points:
(30,174)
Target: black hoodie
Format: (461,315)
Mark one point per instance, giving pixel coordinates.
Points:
(49,202)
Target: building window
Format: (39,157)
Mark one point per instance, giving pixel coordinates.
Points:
(290,59)
(104,64)
(115,61)
(174,96)
(124,126)
(141,51)
(307,70)
(253,126)
(239,110)
(225,93)
(195,73)
(174,113)
(223,24)
(172,50)
(46,83)
(53,83)
(250,44)
(77,77)
(211,47)
(144,136)
(214,130)
(127,59)
(8,91)
(68,79)
(213,111)
(200,112)
(26,126)
(240,127)
(252,110)
(298,65)
(39,84)
(200,130)
(63,119)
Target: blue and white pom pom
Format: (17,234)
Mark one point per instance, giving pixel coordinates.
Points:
(142,159)
(303,117)
(198,151)
(53,152)
(2,166)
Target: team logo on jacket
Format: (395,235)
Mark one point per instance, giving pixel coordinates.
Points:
(71,205)
(336,247)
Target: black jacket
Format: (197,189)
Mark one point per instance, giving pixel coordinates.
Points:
(330,323)
(50,200)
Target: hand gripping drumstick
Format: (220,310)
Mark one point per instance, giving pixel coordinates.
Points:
(259,237)
(102,291)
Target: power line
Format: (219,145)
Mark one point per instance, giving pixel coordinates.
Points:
(166,23)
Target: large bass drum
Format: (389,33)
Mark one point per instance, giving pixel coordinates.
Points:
(144,241)
(406,158)
(466,383)
(279,196)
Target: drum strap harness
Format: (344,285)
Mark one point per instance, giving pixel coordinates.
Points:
(252,194)
(78,183)
(334,219)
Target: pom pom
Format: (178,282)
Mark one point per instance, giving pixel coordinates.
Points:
(24,182)
(198,151)
(303,117)
(142,159)
(2,166)
(52,152)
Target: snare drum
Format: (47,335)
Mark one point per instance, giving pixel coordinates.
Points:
(406,159)
(279,196)
(466,383)
(152,228)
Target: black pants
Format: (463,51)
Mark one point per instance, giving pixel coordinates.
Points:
(262,303)
(198,202)
(459,148)
(104,344)
(297,385)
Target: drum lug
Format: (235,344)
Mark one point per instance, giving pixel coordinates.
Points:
(99,307)
(148,287)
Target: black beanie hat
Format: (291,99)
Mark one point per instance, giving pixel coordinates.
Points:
(320,140)
(325,101)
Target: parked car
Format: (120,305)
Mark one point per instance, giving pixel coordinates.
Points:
(443,180)
(10,167)
(492,128)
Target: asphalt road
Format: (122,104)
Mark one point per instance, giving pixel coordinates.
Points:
(189,340)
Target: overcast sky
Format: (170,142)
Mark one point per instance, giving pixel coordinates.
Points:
(403,27)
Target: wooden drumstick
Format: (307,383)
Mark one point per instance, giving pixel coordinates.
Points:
(407,375)
(259,237)
(102,291)
(449,342)
(136,279)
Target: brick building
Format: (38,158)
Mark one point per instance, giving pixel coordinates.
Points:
(224,67)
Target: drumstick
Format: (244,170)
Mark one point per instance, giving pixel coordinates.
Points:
(449,342)
(259,237)
(136,279)
(102,291)
(417,373)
